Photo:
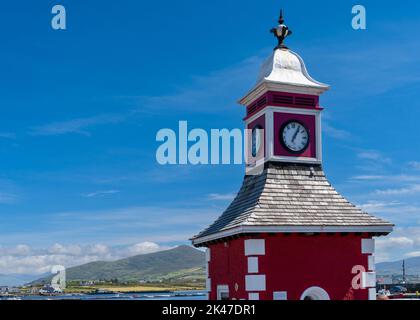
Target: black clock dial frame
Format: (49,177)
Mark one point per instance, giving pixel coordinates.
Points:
(284,125)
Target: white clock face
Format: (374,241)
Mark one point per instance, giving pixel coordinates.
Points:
(295,137)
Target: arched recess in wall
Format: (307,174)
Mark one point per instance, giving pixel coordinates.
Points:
(315,293)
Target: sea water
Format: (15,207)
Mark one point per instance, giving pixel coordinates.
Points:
(178,295)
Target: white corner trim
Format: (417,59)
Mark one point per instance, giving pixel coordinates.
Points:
(371,263)
(295,159)
(369,280)
(269,119)
(254,247)
(208,255)
(208,284)
(368,246)
(318,129)
(255,282)
(280,295)
(372,294)
(252,264)
(253,296)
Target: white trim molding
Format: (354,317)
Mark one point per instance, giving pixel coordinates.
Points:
(368,246)
(208,284)
(253,296)
(252,264)
(371,263)
(315,293)
(255,282)
(292,229)
(268,112)
(295,159)
(372,293)
(280,295)
(254,247)
(369,279)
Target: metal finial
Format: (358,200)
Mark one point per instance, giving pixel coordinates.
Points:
(281,19)
(281,32)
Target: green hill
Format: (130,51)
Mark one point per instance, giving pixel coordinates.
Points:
(412,266)
(181,264)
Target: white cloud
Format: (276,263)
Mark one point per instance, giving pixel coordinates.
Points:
(100,193)
(207,93)
(375,206)
(27,260)
(412,254)
(7,135)
(395,242)
(402,242)
(373,155)
(219,196)
(367,177)
(7,198)
(397,212)
(73,250)
(414,189)
(397,178)
(19,250)
(79,125)
(143,248)
(414,164)
(335,132)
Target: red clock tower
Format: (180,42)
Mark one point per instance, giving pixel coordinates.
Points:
(288,234)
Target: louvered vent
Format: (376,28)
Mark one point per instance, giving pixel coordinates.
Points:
(252,108)
(277,98)
(282,99)
(307,102)
(262,101)
(255,106)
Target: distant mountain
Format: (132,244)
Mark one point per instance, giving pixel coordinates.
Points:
(412,267)
(16,280)
(182,263)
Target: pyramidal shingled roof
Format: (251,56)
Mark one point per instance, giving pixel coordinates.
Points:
(290,198)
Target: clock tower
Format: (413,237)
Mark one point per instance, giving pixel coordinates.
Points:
(285,103)
(288,234)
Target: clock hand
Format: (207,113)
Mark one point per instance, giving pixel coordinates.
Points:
(296,133)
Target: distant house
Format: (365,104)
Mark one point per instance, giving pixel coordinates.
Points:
(49,289)
(9,290)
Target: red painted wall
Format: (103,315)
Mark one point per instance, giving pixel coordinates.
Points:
(292,263)
(308,120)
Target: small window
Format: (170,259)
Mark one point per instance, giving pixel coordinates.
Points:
(222,292)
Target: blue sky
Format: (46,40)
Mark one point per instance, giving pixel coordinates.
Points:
(81,108)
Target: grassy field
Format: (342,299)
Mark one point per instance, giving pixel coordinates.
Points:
(131,288)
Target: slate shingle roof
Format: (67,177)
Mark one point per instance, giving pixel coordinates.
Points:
(288,195)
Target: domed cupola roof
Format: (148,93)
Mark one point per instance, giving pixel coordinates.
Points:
(287,67)
(284,71)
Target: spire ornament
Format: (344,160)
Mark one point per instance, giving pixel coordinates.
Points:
(281,32)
